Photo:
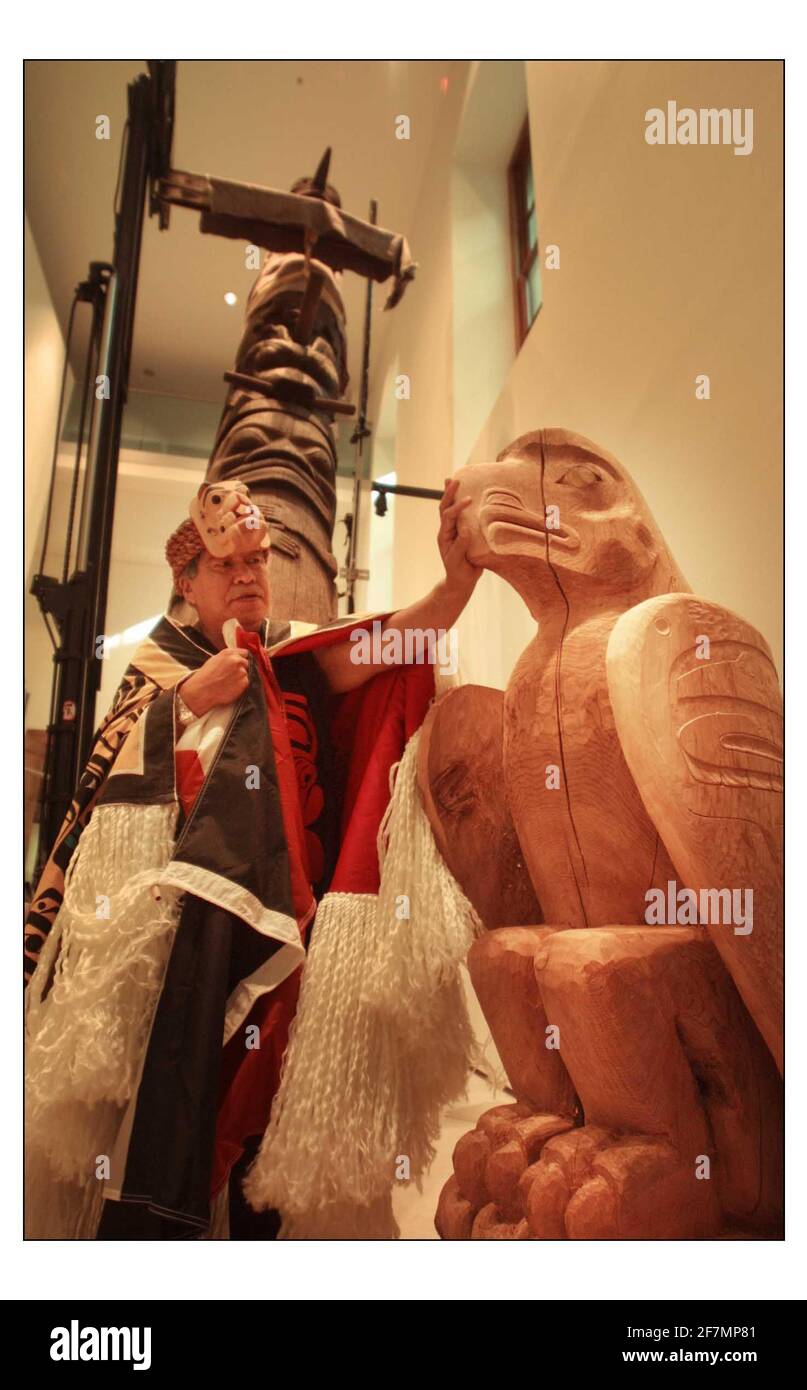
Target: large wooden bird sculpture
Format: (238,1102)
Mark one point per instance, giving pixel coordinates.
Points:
(615,817)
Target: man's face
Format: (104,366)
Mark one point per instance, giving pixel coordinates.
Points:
(235,587)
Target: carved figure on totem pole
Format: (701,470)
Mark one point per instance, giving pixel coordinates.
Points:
(274,436)
(636,764)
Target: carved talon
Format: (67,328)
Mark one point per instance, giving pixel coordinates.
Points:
(592,1185)
(494,1168)
(582,1184)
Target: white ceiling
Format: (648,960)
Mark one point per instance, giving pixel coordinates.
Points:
(258,122)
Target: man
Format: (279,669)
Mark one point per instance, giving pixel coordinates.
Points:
(224,588)
(232,786)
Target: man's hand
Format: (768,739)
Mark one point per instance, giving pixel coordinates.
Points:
(221,680)
(461,575)
(438,611)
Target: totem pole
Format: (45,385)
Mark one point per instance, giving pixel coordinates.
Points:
(277,429)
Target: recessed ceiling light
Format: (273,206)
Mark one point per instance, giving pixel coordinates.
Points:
(230,298)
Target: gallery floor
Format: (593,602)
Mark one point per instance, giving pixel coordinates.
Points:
(414,1211)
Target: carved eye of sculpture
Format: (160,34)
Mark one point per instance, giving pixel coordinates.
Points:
(243,442)
(581,476)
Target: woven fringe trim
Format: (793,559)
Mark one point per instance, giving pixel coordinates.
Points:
(381,1041)
(87,1035)
(219,1216)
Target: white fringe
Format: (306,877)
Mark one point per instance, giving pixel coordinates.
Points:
(87,1034)
(219,1216)
(381,1041)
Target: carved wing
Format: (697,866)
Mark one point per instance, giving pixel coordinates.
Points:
(698,711)
(461,782)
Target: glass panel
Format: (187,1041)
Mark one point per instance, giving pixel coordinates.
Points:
(346,452)
(532,231)
(529,187)
(533,291)
(159,424)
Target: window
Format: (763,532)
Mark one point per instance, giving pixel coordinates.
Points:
(524,231)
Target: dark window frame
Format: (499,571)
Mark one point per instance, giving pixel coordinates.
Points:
(523,255)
